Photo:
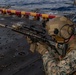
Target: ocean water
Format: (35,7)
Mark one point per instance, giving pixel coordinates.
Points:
(43,6)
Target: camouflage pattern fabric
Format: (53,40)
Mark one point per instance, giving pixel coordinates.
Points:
(62,67)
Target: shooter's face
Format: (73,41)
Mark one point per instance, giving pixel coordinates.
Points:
(59,26)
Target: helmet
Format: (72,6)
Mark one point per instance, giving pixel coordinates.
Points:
(60,26)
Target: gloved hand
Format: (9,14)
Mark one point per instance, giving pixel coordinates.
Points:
(32,44)
(39,46)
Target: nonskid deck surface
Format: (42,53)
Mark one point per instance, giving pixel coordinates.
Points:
(15,57)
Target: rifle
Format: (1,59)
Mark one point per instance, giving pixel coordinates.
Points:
(39,33)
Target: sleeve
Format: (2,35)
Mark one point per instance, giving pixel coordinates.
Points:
(63,67)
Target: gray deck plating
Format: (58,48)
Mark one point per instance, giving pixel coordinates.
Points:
(15,57)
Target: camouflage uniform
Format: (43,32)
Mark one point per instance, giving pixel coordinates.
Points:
(63,67)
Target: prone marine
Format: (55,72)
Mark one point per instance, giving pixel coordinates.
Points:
(54,64)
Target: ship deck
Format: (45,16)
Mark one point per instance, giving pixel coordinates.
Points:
(15,56)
